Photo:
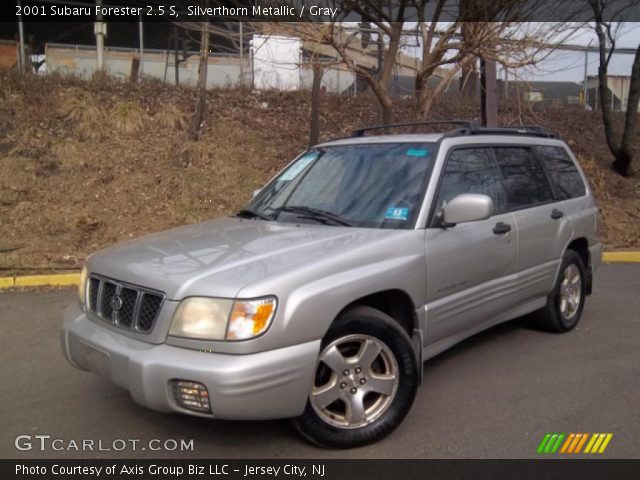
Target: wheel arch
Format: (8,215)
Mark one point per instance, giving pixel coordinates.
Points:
(581,247)
(394,302)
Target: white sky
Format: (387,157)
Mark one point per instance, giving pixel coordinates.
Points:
(569,66)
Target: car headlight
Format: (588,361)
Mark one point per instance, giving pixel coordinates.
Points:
(82,287)
(206,318)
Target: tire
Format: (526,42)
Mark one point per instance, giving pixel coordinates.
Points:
(365,382)
(566,301)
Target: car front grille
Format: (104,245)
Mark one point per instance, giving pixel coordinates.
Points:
(122,304)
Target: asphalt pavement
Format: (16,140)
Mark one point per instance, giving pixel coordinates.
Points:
(493,396)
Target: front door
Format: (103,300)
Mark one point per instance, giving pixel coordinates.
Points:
(470,266)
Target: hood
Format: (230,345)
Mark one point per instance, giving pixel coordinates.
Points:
(220,257)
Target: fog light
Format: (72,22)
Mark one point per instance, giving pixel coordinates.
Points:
(191,395)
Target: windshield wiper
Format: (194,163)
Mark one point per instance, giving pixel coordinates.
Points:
(247,212)
(314,214)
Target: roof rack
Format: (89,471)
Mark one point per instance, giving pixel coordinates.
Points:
(465,124)
(527,130)
(467,128)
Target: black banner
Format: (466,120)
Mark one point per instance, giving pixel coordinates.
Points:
(312,10)
(320,469)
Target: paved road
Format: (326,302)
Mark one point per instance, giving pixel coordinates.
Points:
(493,396)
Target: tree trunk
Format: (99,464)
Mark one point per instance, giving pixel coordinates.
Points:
(314,127)
(201,102)
(386,113)
(622,152)
(469,77)
(424,101)
(622,163)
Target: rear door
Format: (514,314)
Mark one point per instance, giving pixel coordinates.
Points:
(470,267)
(542,224)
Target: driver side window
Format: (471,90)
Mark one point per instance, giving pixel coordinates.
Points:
(472,170)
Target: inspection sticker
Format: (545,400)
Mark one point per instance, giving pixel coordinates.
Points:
(394,213)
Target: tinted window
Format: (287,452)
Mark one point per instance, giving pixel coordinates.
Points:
(366,185)
(563,172)
(472,170)
(523,177)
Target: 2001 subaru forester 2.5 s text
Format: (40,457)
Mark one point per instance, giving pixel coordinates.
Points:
(321,299)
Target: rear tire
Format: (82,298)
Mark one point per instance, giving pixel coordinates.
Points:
(566,301)
(365,382)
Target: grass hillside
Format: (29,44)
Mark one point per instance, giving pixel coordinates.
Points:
(87,164)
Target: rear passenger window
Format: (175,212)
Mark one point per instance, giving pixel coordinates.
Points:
(472,170)
(523,176)
(562,171)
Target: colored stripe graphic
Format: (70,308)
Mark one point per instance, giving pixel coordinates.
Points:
(550,443)
(572,443)
(598,443)
(581,442)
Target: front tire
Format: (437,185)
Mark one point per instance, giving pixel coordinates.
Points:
(566,301)
(365,382)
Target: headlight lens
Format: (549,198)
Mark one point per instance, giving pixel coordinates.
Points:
(203,318)
(221,319)
(82,287)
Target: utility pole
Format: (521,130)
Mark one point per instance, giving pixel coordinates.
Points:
(488,93)
(506,82)
(141,34)
(585,95)
(100,30)
(21,54)
(241,55)
(176,59)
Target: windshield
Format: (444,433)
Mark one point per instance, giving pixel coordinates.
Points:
(375,186)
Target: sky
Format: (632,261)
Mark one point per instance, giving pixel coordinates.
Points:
(569,66)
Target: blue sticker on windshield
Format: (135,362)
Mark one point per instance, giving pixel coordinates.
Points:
(397,213)
(417,152)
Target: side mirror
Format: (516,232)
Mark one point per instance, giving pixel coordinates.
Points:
(468,207)
(255,192)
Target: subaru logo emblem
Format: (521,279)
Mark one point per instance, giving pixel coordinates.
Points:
(115,303)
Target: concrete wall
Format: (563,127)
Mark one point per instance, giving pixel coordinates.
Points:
(272,66)
(224,71)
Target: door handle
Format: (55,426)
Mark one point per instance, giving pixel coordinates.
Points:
(501,228)
(556,214)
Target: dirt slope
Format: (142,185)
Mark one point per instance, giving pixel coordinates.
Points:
(84,165)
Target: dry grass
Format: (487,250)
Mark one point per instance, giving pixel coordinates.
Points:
(79,108)
(127,118)
(170,117)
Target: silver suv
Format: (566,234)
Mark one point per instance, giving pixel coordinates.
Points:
(322,298)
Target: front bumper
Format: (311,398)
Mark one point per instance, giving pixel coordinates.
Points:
(265,385)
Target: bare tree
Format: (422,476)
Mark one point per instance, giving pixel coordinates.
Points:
(451,39)
(389,18)
(496,30)
(227,37)
(201,102)
(620,145)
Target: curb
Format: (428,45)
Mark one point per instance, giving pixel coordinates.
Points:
(57,280)
(70,279)
(621,257)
